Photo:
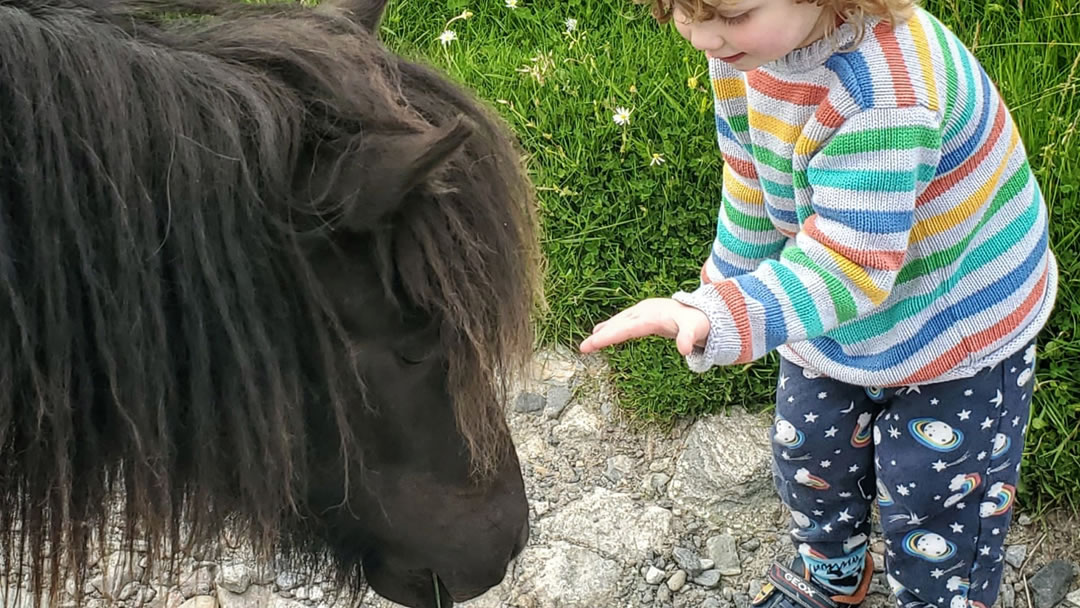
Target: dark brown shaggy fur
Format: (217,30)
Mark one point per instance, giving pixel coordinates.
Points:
(161,330)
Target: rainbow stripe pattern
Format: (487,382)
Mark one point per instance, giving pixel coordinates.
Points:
(879,221)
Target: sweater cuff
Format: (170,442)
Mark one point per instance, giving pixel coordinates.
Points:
(723,345)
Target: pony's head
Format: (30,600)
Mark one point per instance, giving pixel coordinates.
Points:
(257,272)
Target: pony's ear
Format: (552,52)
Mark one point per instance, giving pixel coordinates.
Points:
(367,13)
(366,177)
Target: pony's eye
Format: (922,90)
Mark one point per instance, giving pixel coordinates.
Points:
(418,347)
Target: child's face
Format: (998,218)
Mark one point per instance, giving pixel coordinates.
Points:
(750,33)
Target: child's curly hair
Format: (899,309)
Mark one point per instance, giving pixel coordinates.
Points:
(854,12)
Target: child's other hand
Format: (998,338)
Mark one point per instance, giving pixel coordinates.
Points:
(664,317)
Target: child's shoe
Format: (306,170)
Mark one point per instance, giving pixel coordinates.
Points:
(795,588)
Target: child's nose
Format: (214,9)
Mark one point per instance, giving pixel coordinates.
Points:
(704,38)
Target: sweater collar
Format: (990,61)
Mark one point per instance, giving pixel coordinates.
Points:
(815,54)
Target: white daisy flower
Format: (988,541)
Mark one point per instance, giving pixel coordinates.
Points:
(447,37)
(511,3)
(571,23)
(657,159)
(621,116)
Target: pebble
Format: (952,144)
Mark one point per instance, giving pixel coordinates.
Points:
(751,545)
(557,398)
(753,588)
(706,563)
(1051,583)
(879,561)
(201,601)
(688,561)
(708,579)
(1024,519)
(527,403)
(677,580)
(663,594)
(1015,554)
(618,467)
(655,483)
(654,575)
(1008,596)
(1074,598)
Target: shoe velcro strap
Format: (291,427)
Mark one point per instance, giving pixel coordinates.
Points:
(802,591)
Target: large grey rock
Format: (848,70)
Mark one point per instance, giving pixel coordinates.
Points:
(566,576)
(724,475)
(612,524)
(1051,583)
(721,549)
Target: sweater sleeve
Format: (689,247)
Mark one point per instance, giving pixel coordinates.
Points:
(849,250)
(745,236)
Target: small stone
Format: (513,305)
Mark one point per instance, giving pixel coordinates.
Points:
(688,561)
(540,507)
(234,577)
(128,591)
(725,555)
(1008,596)
(198,583)
(879,585)
(1050,583)
(655,483)
(663,594)
(1073,598)
(1024,519)
(753,588)
(677,580)
(741,600)
(710,602)
(654,575)
(1010,574)
(286,581)
(557,398)
(879,561)
(751,545)
(201,601)
(707,564)
(1015,555)
(657,465)
(618,467)
(708,579)
(527,403)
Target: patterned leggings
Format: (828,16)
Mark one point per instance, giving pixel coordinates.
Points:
(942,461)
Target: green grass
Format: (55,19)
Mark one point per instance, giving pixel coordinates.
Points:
(618,227)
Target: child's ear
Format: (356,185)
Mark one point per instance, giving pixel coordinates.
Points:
(362,179)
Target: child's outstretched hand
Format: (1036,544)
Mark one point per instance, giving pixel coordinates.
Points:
(664,317)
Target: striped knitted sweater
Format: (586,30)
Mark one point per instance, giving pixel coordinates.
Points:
(879,223)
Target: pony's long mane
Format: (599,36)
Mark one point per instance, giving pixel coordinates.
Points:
(162,331)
